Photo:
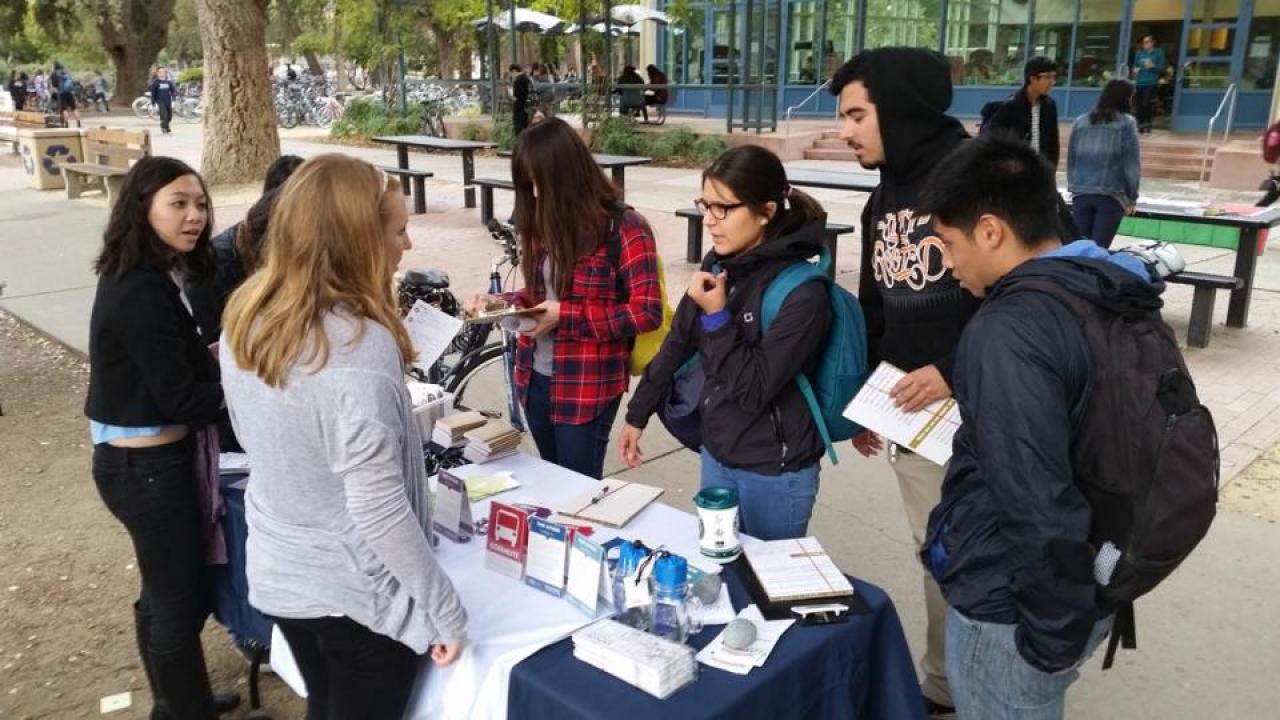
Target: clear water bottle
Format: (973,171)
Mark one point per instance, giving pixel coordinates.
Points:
(630,556)
(671,618)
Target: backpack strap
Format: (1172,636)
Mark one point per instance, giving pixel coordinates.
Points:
(771,304)
(613,247)
(1124,630)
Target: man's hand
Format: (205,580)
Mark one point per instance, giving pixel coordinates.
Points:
(708,291)
(443,655)
(629,446)
(548,318)
(868,443)
(919,389)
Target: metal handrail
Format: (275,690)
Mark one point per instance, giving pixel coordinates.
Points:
(802,103)
(1230,95)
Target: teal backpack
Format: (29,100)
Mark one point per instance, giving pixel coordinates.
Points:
(843,366)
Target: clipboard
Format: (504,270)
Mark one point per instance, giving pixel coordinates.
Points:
(613,504)
(494,316)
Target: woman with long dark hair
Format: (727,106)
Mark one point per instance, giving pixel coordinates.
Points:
(1104,164)
(590,264)
(757,432)
(153,393)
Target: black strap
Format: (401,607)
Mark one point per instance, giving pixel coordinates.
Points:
(1123,630)
(613,245)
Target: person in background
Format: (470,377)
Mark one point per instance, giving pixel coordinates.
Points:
(1149,64)
(571,369)
(521,90)
(1010,540)
(18,84)
(313,354)
(289,73)
(808,73)
(163,92)
(631,100)
(893,108)
(659,95)
(153,392)
(1104,164)
(758,434)
(1031,114)
(63,87)
(98,91)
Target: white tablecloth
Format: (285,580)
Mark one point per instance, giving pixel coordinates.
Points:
(508,620)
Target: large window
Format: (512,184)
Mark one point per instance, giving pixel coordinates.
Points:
(985,41)
(802,43)
(842,36)
(683,62)
(1264,46)
(1097,49)
(913,23)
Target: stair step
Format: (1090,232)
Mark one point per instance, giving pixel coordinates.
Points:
(830,154)
(828,134)
(831,144)
(1171,173)
(1175,159)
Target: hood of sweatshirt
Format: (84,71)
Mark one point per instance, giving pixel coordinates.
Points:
(912,92)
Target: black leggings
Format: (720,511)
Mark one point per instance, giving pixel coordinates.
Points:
(351,672)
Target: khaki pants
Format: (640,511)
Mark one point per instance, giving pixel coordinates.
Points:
(920,481)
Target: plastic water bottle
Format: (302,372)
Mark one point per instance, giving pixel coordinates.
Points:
(630,555)
(670,618)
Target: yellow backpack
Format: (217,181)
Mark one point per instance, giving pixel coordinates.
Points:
(646,345)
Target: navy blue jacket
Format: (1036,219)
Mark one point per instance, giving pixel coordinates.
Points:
(1008,542)
(162,91)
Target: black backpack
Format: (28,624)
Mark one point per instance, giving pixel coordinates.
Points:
(1145,455)
(989,111)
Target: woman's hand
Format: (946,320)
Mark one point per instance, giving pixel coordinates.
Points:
(548,318)
(444,654)
(708,291)
(478,303)
(629,446)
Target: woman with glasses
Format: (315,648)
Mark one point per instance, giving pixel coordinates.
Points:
(757,432)
(590,264)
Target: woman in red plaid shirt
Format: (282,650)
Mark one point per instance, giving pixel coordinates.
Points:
(591,265)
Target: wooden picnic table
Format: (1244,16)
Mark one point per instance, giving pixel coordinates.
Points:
(468,149)
(616,165)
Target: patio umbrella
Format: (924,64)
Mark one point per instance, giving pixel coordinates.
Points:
(633,14)
(526,21)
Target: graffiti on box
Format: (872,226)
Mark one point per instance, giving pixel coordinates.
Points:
(55,155)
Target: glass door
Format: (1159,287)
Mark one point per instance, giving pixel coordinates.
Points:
(1207,61)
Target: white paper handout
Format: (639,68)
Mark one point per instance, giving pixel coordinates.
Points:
(928,432)
(431,332)
(768,632)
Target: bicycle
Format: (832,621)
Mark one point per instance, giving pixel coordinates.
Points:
(479,372)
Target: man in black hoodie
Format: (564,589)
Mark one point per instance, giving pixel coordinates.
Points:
(1009,542)
(1031,114)
(893,104)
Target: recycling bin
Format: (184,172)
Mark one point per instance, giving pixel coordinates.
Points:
(44,151)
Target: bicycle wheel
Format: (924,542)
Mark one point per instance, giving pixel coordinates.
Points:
(142,108)
(288,118)
(481,384)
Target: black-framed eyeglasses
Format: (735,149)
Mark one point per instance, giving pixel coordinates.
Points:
(716,210)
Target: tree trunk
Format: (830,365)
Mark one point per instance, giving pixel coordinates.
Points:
(240,138)
(133,34)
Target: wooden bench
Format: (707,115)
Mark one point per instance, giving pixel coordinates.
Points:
(693,249)
(1206,291)
(486,195)
(419,178)
(108,154)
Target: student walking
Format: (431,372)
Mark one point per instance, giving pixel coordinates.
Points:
(1104,164)
(63,87)
(521,98)
(18,85)
(153,391)
(590,264)
(313,357)
(1149,64)
(163,92)
(1031,114)
(758,435)
(893,104)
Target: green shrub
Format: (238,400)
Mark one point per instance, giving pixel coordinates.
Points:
(368,117)
(707,149)
(472,131)
(504,133)
(618,136)
(192,74)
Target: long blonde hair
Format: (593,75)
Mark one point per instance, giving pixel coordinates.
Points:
(324,249)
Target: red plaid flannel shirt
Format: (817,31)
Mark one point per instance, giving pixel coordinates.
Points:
(596,331)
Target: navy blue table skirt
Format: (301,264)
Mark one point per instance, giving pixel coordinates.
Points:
(861,668)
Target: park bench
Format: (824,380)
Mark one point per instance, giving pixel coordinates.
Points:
(693,250)
(108,154)
(419,178)
(13,121)
(486,195)
(1206,287)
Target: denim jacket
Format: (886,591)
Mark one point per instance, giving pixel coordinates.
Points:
(1104,159)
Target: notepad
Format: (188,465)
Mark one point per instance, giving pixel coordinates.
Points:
(796,569)
(613,503)
(928,432)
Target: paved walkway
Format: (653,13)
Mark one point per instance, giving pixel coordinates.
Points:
(1209,645)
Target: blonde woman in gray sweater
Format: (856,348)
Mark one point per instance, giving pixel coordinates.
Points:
(312,354)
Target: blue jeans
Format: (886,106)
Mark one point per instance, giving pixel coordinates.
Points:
(580,448)
(770,507)
(1097,217)
(990,680)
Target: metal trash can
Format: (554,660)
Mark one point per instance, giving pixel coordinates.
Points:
(43,153)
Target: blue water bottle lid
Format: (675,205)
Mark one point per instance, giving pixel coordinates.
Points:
(671,571)
(630,555)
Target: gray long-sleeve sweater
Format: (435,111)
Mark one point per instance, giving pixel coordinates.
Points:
(337,506)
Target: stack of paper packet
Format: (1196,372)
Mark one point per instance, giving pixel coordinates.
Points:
(490,441)
(448,431)
(656,666)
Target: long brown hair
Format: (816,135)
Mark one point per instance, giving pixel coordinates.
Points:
(324,249)
(571,214)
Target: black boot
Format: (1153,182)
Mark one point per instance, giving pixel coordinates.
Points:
(183,680)
(222,702)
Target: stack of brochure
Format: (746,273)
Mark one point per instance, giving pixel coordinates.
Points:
(656,666)
(449,430)
(493,440)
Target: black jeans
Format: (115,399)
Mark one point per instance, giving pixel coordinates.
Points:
(166,115)
(1146,100)
(152,492)
(351,672)
(1097,217)
(580,448)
